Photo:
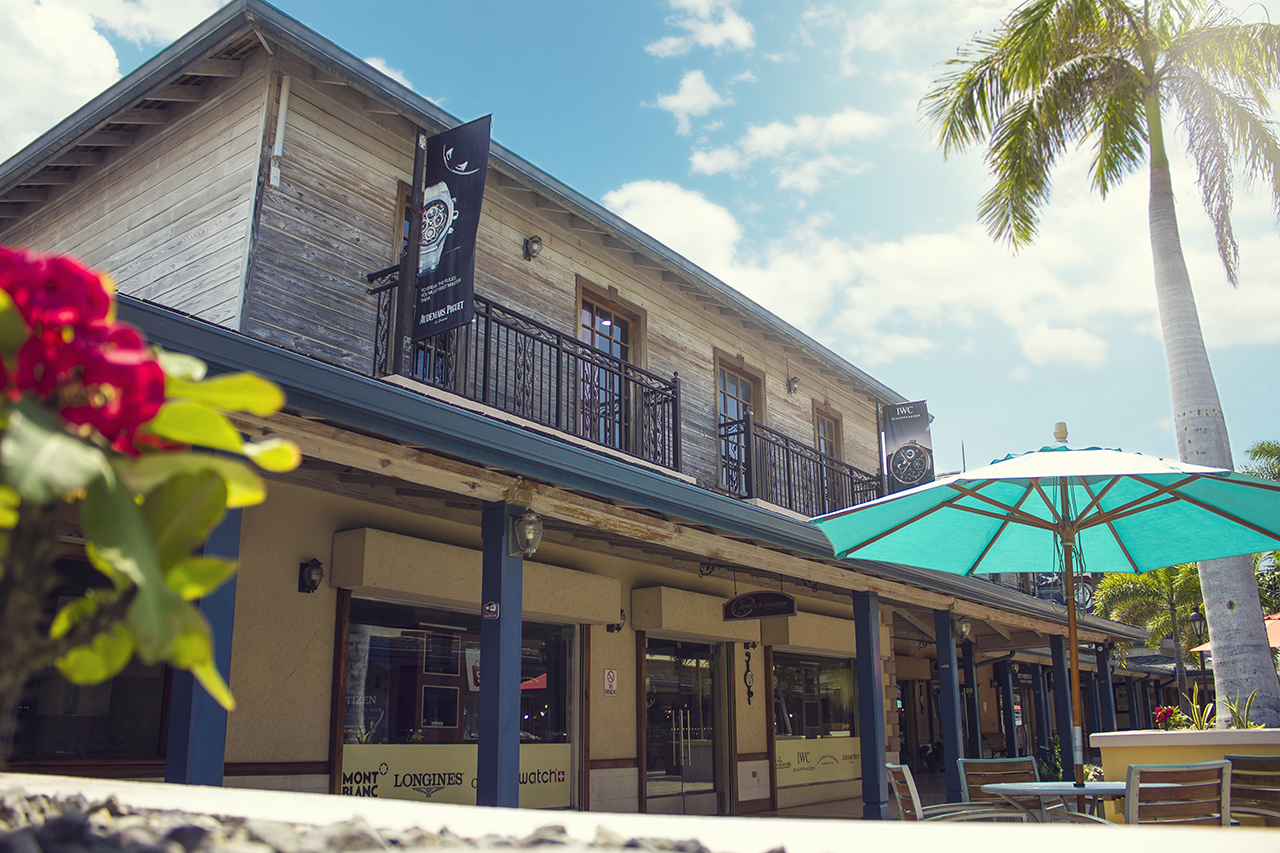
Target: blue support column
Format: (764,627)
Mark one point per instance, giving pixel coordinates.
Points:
(871,734)
(1062,705)
(1004,677)
(502,615)
(973,748)
(1135,708)
(1092,705)
(1106,690)
(949,702)
(1148,713)
(1042,712)
(197,747)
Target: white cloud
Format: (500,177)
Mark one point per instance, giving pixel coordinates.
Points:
(706,23)
(1043,345)
(56,56)
(700,230)
(1062,301)
(788,142)
(694,98)
(394,73)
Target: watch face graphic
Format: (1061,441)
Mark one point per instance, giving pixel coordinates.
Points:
(911,463)
(437,221)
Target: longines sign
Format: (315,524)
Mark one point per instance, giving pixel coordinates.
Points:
(759,605)
(446,773)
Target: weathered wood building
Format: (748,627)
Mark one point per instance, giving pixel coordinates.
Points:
(248,189)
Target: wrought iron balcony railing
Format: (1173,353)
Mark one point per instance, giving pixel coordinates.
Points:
(522,367)
(758,462)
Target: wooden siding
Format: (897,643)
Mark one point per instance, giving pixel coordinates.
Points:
(328,224)
(334,219)
(168,216)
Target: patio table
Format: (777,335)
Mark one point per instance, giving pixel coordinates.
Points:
(1095,792)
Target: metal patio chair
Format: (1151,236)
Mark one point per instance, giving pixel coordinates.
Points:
(1255,786)
(976,772)
(910,809)
(1178,794)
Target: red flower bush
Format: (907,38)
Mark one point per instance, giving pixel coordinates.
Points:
(98,373)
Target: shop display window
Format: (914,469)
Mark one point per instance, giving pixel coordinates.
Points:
(813,697)
(119,717)
(413,677)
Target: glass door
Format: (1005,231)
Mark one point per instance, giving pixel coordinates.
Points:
(680,749)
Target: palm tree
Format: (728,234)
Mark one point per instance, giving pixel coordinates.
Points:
(1159,601)
(1059,74)
(1265,456)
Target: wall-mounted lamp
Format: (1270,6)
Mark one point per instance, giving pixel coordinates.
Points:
(617,626)
(532,247)
(964,628)
(310,574)
(526,535)
(793,384)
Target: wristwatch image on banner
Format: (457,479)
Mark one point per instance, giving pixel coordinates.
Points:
(908,447)
(438,214)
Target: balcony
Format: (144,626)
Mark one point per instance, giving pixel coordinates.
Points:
(515,364)
(758,462)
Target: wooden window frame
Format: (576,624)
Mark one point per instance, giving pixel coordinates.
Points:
(608,297)
(823,411)
(404,194)
(739,365)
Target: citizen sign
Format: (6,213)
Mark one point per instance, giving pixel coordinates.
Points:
(759,605)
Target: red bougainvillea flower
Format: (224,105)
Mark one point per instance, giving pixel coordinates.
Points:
(122,385)
(53,291)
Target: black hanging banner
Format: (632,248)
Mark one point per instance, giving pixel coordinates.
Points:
(908,448)
(456,162)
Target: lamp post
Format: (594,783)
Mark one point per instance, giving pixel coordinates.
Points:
(1197,621)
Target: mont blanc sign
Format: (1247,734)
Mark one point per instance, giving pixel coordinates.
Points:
(759,605)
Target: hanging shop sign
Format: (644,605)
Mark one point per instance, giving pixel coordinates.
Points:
(453,191)
(907,446)
(759,605)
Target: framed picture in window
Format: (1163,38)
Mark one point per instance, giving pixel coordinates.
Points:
(439,707)
(443,654)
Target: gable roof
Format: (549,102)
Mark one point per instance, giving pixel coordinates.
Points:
(211,49)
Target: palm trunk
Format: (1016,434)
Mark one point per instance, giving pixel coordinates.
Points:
(1241,655)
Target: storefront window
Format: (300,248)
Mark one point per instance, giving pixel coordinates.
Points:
(413,681)
(121,716)
(813,719)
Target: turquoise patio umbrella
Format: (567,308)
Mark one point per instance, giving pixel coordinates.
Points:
(1085,509)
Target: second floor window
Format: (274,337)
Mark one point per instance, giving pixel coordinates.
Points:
(605,409)
(828,436)
(736,393)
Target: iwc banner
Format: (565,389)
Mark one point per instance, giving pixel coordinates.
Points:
(908,448)
(456,163)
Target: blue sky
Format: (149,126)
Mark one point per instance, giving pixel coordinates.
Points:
(779,146)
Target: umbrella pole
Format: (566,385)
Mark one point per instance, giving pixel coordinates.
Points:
(1077,706)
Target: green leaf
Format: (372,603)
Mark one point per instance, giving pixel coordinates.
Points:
(194,423)
(114,523)
(182,511)
(13,329)
(9,503)
(142,474)
(104,657)
(71,614)
(209,677)
(41,461)
(234,392)
(178,365)
(196,577)
(274,454)
(99,562)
